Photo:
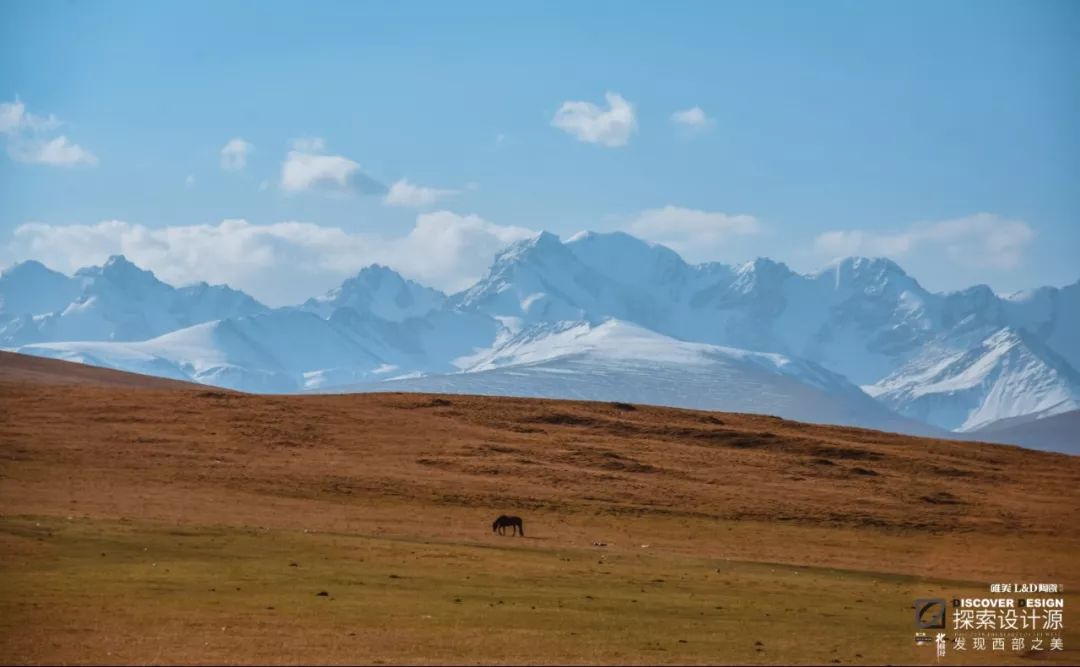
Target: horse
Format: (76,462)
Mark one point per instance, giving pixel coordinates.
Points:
(503,521)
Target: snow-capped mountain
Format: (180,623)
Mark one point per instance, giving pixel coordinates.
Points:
(860,317)
(290,350)
(282,351)
(29,288)
(381,292)
(863,318)
(541,280)
(441,341)
(618,361)
(605,316)
(1009,374)
(1050,313)
(648,268)
(116,301)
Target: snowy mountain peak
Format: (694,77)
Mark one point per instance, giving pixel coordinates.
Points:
(861,264)
(973,308)
(531,255)
(620,246)
(27,270)
(762,264)
(872,275)
(120,301)
(120,265)
(616,242)
(537,246)
(763,276)
(120,271)
(542,280)
(764,269)
(1009,374)
(982,292)
(629,260)
(28,275)
(377,272)
(119,261)
(31,288)
(369,278)
(544,239)
(380,291)
(1009,339)
(866,267)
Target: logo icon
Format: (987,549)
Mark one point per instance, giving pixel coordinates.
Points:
(930,613)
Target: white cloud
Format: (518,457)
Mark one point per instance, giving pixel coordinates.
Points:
(451,251)
(589,123)
(404,193)
(976,241)
(304,171)
(697,235)
(693,118)
(234,154)
(14,118)
(306,167)
(56,152)
(189,182)
(443,249)
(24,144)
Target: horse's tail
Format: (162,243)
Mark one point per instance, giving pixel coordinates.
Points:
(495,526)
(521,528)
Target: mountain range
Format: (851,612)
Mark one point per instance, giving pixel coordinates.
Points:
(598,316)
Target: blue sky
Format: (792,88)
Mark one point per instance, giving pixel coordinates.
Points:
(943,134)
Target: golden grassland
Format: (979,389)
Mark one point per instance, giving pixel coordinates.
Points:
(155,522)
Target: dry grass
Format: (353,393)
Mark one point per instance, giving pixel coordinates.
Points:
(132,514)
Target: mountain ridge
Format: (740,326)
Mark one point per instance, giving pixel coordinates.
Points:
(862,318)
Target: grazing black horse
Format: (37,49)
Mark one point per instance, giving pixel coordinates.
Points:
(512,521)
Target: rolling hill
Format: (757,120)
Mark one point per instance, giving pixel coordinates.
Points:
(356,528)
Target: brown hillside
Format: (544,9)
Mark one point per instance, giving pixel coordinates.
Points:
(126,432)
(39,370)
(106,447)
